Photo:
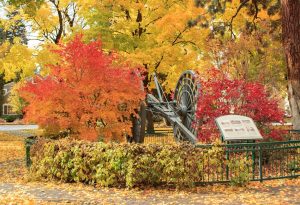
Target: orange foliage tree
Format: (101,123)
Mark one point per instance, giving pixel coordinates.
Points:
(85,94)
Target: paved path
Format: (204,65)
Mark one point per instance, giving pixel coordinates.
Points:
(15,188)
(17,127)
(19,130)
(73,194)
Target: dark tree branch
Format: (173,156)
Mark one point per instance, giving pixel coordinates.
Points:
(70,19)
(256,12)
(235,15)
(75,9)
(126,12)
(153,21)
(60,20)
(256,9)
(179,35)
(185,42)
(158,63)
(35,39)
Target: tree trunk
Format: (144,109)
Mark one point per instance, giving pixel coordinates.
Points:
(2,83)
(291,43)
(150,123)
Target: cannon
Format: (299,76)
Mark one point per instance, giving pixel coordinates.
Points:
(178,112)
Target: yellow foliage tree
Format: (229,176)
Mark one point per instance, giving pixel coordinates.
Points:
(156,35)
(49,22)
(246,41)
(165,37)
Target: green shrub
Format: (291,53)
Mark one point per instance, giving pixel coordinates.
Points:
(125,165)
(241,170)
(11,118)
(294,165)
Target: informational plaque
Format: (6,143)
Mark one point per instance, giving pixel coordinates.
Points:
(238,127)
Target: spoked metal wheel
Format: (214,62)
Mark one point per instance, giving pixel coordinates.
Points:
(186,98)
(179,135)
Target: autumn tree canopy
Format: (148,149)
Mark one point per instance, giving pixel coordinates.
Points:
(242,38)
(85,93)
(154,34)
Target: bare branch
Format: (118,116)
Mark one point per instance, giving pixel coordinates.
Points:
(158,63)
(179,35)
(71,19)
(186,42)
(235,15)
(60,21)
(256,12)
(153,21)
(35,39)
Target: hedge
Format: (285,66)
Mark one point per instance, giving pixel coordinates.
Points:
(126,165)
(11,118)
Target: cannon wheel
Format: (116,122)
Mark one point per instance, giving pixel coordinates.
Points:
(138,126)
(186,98)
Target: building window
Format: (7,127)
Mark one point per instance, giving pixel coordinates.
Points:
(7,110)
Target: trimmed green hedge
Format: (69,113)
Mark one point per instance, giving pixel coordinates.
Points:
(122,165)
(11,118)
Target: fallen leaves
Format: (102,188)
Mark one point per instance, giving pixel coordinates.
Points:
(10,150)
(16,199)
(14,189)
(9,137)
(12,154)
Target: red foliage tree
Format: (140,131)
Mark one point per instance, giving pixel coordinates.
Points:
(222,96)
(86,93)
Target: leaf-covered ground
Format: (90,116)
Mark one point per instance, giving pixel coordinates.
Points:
(16,189)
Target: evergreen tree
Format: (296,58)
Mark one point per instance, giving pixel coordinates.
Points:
(17,29)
